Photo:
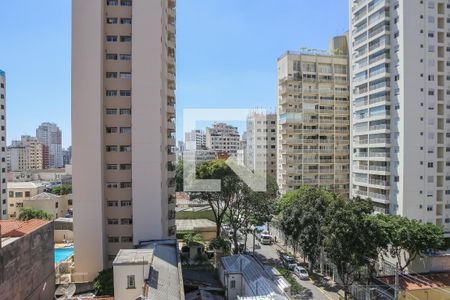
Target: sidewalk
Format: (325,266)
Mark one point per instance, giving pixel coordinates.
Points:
(325,284)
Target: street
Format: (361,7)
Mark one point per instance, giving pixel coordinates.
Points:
(268,254)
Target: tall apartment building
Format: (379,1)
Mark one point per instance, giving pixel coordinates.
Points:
(123,129)
(195,140)
(25,154)
(313,119)
(261,143)
(401,107)
(3,196)
(222,138)
(50,136)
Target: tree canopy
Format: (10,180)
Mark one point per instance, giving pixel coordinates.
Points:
(28,213)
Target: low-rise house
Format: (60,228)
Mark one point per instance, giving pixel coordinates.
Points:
(150,272)
(55,205)
(206,228)
(243,277)
(20,191)
(27,269)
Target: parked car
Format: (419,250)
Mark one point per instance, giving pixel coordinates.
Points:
(266,239)
(301,273)
(288,262)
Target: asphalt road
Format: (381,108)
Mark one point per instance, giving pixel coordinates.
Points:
(268,254)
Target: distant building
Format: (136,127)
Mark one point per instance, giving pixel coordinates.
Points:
(261,143)
(27,266)
(18,192)
(63,175)
(55,205)
(200,156)
(67,156)
(222,138)
(25,154)
(50,136)
(151,272)
(195,140)
(3,204)
(243,277)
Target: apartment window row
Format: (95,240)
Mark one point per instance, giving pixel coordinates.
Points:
(118,148)
(124,21)
(124,130)
(116,185)
(115,203)
(116,2)
(123,239)
(118,167)
(116,111)
(121,75)
(115,56)
(116,38)
(124,221)
(121,93)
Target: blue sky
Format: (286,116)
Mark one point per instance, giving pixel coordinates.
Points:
(226,54)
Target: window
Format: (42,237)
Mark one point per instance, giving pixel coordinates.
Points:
(111,56)
(130,282)
(27,194)
(113,221)
(125,148)
(125,2)
(112,2)
(125,21)
(69,201)
(111,129)
(125,203)
(125,185)
(111,167)
(125,130)
(232,284)
(112,185)
(111,74)
(111,20)
(125,75)
(125,93)
(125,56)
(112,203)
(111,148)
(19,195)
(111,111)
(113,239)
(11,194)
(111,93)
(111,38)
(127,239)
(126,221)
(430,165)
(429,208)
(125,38)
(125,111)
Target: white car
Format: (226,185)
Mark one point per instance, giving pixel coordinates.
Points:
(266,239)
(301,273)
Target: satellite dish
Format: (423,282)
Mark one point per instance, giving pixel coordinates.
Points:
(65,291)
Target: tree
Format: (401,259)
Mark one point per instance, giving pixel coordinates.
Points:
(104,283)
(64,189)
(29,213)
(190,239)
(179,176)
(409,239)
(303,215)
(352,238)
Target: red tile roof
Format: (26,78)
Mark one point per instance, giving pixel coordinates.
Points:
(423,281)
(12,228)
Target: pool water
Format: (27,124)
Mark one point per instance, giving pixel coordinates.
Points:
(62,254)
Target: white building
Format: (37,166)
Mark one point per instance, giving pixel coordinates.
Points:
(26,154)
(400,104)
(261,143)
(314,119)
(195,140)
(50,136)
(3,195)
(123,127)
(222,138)
(199,156)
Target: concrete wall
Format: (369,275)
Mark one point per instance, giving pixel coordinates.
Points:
(63,235)
(121,292)
(27,266)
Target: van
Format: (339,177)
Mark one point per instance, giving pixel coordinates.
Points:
(266,239)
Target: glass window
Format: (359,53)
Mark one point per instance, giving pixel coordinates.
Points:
(111,38)
(125,93)
(125,111)
(111,20)
(125,38)
(125,21)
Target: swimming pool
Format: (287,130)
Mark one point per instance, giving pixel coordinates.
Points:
(62,254)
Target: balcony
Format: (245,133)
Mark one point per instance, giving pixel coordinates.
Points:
(379,182)
(379,168)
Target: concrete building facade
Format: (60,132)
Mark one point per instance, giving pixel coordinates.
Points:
(400,106)
(313,120)
(50,136)
(195,140)
(26,154)
(3,165)
(222,138)
(261,143)
(18,192)
(123,127)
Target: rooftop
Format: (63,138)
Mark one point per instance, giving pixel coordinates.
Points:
(45,196)
(133,257)
(14,228)
(195,224)
(423,281)
(23,185)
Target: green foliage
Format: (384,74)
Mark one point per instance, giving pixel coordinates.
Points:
(219,244)
(409,238)
(104,283)
(192,215)
(191,239)
(179,176)
(64,189)
(29,213)
(295,286)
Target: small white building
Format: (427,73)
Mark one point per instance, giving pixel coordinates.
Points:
(243,277)
(151,272)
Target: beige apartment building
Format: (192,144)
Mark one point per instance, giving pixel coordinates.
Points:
(261,143)
(3,196)
(18,192)
(26,154)
(313,119)
(222,138)
(123,127)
